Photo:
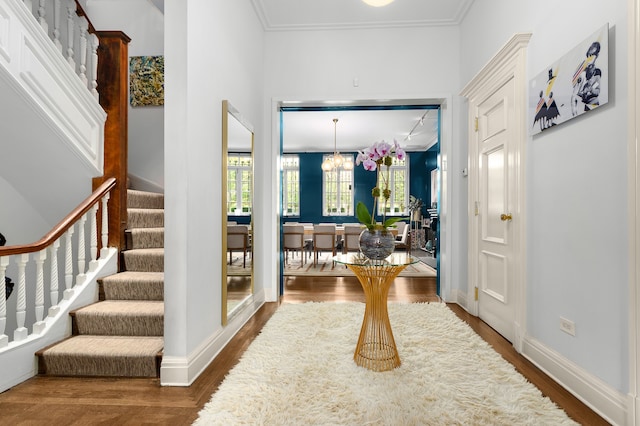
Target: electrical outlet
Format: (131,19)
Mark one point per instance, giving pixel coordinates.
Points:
(567,326)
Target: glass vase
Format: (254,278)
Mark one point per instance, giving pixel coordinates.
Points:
(377,244)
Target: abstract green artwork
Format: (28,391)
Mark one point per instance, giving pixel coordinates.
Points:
(146,80)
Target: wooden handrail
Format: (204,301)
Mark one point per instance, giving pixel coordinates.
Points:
(64,225)
(80,12)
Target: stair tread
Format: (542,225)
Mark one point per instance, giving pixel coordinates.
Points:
(131,308)
(108,345)
(152,251)
(136,198)
(142,230)
(129,276)
(104,356)
(145,210)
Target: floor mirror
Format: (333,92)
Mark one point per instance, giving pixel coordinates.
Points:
(237,211)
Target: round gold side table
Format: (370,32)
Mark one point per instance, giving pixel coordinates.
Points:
(376,348)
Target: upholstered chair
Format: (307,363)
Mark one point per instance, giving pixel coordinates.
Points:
(351,238)
(293,240)
(403,239)
(324,239)
(238,240)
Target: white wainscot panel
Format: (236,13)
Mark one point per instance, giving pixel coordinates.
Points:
(55,97)
(5,24)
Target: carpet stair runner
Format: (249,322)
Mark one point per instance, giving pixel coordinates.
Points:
(122,334)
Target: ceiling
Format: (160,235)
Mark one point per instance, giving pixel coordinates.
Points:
(356,129)
(281,15)
(314,131)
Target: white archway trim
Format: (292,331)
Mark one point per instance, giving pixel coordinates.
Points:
(272,244)
(633,407)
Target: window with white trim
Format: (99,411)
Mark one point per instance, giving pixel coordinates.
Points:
(239,184)
(398,204)
(290,185)
(337,192)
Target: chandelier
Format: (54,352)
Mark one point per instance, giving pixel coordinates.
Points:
(336,160)
(377,3)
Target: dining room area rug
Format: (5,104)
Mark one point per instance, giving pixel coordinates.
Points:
(300,370)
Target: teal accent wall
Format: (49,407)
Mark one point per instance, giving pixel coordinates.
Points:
(420,163)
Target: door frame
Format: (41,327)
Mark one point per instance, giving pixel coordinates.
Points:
(633,133)
(509,63)
(446,199)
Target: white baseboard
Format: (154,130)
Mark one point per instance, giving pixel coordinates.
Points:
(599,396)
(458,297)
(142,184)
(182,371)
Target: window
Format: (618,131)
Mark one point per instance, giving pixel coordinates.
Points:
(337,194)
(239,183)
(290,185)
(398,204)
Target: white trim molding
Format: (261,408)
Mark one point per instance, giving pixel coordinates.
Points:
(182,371)
(633,400)
(509,63)
(598,395)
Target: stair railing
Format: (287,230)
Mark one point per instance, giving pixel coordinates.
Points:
(18,260)
(73,35)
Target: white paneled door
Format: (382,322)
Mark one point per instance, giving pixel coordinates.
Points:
(497,135)
(495,192)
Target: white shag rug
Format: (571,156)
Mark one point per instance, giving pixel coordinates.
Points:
(300,371)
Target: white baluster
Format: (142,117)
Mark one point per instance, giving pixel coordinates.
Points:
(42,16)
(71,23)
(95,42)
(21,331)
(39,325)
(4,339)
(93,241)
(81,250)
(56,24)
(84,26)
(68,265)
(54,309)
(104,251)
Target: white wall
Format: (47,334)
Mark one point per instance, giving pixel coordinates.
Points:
(46,164)
(144,24)
(576,184)
(389,64)
(213,51)
(20,222)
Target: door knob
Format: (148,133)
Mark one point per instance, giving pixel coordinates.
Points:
(504,217)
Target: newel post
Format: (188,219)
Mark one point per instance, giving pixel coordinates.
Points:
(113,88)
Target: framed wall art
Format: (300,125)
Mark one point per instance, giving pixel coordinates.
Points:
(575,84)
(146,80)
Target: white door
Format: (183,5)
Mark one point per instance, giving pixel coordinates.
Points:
(494,210)
(497,136)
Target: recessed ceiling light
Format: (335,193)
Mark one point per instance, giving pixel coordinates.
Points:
(377,3)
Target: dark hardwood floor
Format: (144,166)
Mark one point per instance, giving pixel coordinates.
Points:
(91,401)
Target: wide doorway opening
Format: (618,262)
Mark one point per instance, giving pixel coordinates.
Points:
(312,195)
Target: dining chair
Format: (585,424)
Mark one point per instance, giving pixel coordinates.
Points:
(238,240)
(324,239)
(293,240)
(351,237)
(403,239)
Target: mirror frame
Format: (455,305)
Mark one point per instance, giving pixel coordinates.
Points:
(229,110)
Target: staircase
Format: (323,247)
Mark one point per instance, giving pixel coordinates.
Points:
(121,335)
